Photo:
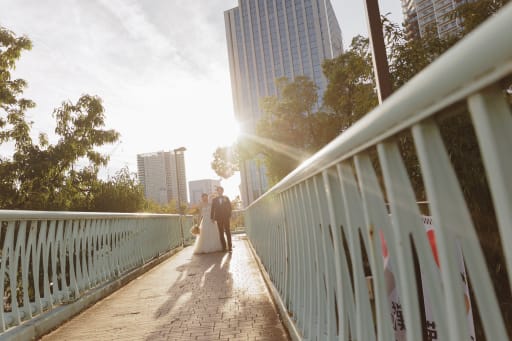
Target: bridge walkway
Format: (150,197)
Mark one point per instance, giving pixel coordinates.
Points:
(217,296)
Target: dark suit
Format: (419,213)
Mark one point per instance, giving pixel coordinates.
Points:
(221,213)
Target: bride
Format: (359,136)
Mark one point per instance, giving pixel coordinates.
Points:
(208,239)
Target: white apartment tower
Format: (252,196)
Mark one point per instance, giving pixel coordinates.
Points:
(197,187)
(159,174)
(269,39)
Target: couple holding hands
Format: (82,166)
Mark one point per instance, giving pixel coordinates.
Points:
(215,216)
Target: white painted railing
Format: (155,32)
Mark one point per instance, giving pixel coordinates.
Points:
(51,258)
(320,232)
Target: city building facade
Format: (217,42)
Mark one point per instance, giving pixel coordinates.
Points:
(267,40)
(420,16)
(162,174)
(197,187)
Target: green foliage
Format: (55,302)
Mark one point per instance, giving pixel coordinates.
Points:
(44,176)
(408,57)
(151,206)
(350,90)
(121,193)
(285,133)
(473,13)
(11,48)
(225,161)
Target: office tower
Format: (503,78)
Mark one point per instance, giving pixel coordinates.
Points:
(197,187)
(269,39)
(412,28)
(423,15)
(159,174)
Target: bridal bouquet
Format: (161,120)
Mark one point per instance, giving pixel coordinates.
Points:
(195,230)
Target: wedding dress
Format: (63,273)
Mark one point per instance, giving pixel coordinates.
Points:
(208,239)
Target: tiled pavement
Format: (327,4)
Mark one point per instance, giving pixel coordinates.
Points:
(217,296)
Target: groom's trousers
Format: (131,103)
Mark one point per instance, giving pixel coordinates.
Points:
(223,225)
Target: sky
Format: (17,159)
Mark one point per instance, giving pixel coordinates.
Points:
(160,67)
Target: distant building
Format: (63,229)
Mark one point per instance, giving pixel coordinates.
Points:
(198,187)
(420,16)
(158,175)
(269,39)
(412,28)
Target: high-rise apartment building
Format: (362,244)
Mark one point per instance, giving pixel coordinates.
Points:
(161,174)
(269,39)
(197,187)
(423,15)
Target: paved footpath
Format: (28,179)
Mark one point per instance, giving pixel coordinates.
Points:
(216,296)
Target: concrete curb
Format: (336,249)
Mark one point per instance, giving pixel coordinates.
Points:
(50,320)
(292,330)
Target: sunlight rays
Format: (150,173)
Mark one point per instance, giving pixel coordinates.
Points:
(281,148)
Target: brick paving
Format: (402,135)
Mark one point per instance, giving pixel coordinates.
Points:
(216,296)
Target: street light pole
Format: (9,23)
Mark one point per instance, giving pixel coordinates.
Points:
(180,211)
(380,60)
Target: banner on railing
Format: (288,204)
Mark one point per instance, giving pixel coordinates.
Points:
(398,322)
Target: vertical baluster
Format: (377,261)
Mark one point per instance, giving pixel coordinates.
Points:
(407,222)
(355,221)
(319,307)
(377,221)
(286,247)
(327,288)
(296,218)
(7,258)
(404,217)
(453,223)
(344,289)
(86,282)
(46,242)
(34,250)
(292,260)
(492,119)
(20,256)
(71,238)
(77,242)
(310,271)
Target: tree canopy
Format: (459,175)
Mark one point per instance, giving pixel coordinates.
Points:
(63,175)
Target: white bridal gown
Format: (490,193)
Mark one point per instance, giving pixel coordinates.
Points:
(208,239)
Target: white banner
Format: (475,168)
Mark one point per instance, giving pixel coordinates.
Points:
(394,297)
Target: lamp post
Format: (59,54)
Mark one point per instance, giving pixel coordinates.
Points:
(180,211)
(380,61)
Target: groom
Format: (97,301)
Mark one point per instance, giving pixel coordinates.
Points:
(221,213)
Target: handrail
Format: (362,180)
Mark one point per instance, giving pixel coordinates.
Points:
(345,221)
(486,59)
(28,214)
(49,258)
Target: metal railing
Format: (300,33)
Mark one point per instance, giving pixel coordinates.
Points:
(350,211)
(51,258)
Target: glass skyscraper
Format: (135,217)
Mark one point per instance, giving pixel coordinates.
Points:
(269,39)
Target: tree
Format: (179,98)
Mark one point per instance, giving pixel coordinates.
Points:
(12,107)
(11,104)
(473,13)
(121,193)
(407,57)
(225,161)
(40,175)
(350,92)
(285,133)
(44,175)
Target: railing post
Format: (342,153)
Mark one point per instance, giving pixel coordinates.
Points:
(181,230)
